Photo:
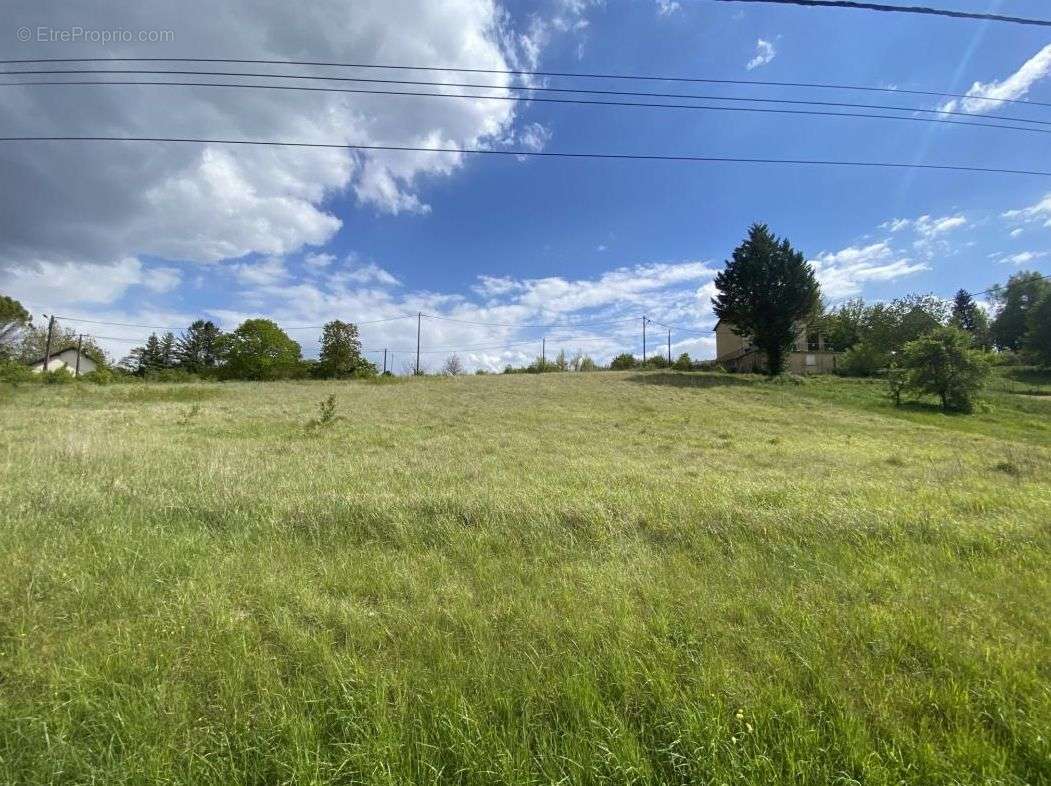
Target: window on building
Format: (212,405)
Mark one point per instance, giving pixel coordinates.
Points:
(813,343)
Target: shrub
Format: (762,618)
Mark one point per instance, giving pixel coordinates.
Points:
(176,375)
(15,373)
(683,362)
(100,376)
(623,362)
(61,376)
(943,364)
(863,360)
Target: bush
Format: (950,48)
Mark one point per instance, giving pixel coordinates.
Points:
(176,375)
(863,360)
(623,362)
(683,362)
(61,376)
(100,376)
(15,373)
(943,364)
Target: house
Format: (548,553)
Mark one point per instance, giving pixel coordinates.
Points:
(808,355)
(67,359)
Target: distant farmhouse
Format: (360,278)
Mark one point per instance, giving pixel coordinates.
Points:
(67,359)
(808,355)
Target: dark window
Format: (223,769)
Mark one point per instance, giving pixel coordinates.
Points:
(812,342)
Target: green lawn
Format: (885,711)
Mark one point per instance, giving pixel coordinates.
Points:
(576,578)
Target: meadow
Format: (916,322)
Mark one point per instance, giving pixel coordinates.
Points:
(568,578)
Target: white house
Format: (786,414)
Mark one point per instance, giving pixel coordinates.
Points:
(67,359)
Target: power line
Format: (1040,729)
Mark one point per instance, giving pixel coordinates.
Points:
(542,153)
(998,286)
(568,101)
(553,326)
(471,85)
(521,72)
(908,9)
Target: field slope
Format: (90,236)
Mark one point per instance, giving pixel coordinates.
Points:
(577,578)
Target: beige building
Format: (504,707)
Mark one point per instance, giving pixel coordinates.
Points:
(808,355)
(67,359)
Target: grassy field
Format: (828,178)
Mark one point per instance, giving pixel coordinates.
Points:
(576,578)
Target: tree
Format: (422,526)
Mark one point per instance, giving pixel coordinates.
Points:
(683,362)
(561,361)
(1022,292)
(13,318)
(765,290)
(622,362)
(197,350)
(844,327)
(260,350)
(1038,337)
(943,364)
(340,356)
(453,366)
(968,315)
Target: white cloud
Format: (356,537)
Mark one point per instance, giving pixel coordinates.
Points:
(842,273)
(1041,211)
(202,203)
(318,261)
(667,7)
(534,137)
(52,285)
(1014,87)
(764,53)
(896,224)
(266,272)
(1023,257)
(925,226)
(1016,232)
(371,274)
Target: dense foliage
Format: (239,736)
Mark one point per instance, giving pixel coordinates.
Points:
(765,291)
(943,364)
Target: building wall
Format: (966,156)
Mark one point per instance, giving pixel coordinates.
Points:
(729,349)
(67,358)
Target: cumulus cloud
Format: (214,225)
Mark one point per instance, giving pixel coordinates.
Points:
(842,273)
(104,203)
(764,53)
(1014,87)
(50,285)
(926,226)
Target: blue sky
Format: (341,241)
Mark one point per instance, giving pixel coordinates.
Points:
(161,234)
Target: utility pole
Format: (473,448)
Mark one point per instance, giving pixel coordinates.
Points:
(669,346)
(543,353)
(384,360)
(644,339)
(47,349)
(419,318)
(80,342)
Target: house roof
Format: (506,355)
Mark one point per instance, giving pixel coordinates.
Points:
(56,353)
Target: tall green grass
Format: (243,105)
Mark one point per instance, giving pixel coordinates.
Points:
(608,578)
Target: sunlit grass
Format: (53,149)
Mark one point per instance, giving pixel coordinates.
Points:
(653,578)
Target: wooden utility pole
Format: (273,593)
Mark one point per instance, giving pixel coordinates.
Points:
(419,318)
(669,346)
(543,353)
(384,360)
(643,339)
(80,343)
(47,348)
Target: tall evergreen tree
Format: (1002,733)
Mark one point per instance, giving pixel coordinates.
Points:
(152,356)
(197,348)
(167,350)
(967,315)
(765,290)
(340,355)
(1022,292)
